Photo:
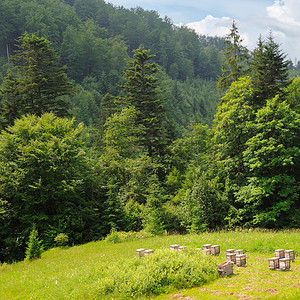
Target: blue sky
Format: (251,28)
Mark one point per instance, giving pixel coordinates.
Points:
(214,17)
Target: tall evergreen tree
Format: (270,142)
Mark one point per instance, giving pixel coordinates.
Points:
(142,91)
(236,59)
(37,83)
(269,69)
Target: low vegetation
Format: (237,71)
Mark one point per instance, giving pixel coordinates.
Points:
(103,270)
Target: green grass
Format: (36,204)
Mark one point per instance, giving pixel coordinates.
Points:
(91,270)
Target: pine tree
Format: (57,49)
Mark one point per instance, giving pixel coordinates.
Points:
(142,91)
(34,247)
(36,84)
(269,70)
(236,59)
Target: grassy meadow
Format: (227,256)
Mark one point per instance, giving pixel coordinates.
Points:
(104,270)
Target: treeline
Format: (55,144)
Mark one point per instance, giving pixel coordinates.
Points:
(93,39)
(62,172)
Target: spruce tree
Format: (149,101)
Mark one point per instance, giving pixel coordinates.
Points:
(34,247)
(236,59)
(36,84)
(269,70)
(142,91)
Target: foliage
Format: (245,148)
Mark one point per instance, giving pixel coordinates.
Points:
(61,240)
(37,83)
(203,206)
(47,178)
(269,70)
(34,247)
(292,94)
(255,144)
(142,92)
(153,218)
(230,134)
(103,35)
(271,195)
(158,273)
(236,59)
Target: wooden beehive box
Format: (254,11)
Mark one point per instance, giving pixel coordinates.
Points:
(215,250)
(206,246)
(207,251)
(148,252)
(279,253)
(284,264)
(241,260)
(273,263)
(289,254)
(174,247)
(140,252)
(228,251)
(180,248)
(231,257)
(225,268)
(240,251)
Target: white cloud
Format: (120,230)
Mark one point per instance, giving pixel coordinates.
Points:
(212,26)
(282,18)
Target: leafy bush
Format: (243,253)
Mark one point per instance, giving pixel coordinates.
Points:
(34,248)
(61,240)
(157,274)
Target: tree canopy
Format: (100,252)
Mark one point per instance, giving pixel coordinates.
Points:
(46,178)
(36,84)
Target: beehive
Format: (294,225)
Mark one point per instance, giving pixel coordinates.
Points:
(207,251)
(215,250)
(225,268)
(279,253)
(174,247)
(180,248)
(273,263)
(228,251)
(240,251)
(284,264)
(289,254)
(140,252)
(231,257)
(241,260)
(206,246)
(148,252)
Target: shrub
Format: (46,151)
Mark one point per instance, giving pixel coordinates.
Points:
(34,247)
(156,274)
(61,240)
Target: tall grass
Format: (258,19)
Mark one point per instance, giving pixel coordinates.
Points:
(100,270)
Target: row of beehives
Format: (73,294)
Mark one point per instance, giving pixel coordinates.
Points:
(282,260)
(233,256)
(142,252)
(236,256)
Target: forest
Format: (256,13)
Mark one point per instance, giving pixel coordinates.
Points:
(115,119)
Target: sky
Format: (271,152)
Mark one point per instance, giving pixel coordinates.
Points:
(214,18)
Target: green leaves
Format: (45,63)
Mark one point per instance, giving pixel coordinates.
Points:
(37,84)
(46,177)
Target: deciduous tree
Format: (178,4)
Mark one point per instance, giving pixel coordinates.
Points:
(46,178)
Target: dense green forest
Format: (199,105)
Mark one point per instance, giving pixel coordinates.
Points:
(116,119)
